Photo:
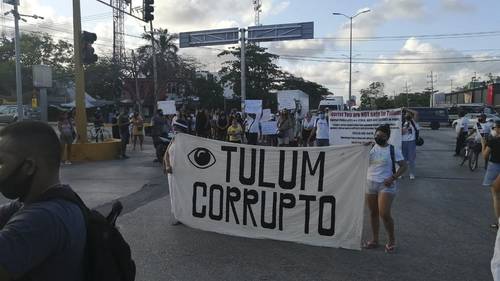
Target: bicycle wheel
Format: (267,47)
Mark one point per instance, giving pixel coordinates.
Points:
(466,156)
(473,160)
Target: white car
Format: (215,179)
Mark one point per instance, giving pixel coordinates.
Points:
(473,117)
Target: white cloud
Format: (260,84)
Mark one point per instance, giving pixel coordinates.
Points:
(335,75)
(457,6)
(385,11)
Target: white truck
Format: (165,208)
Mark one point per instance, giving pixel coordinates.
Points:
(292,99)
(332,103)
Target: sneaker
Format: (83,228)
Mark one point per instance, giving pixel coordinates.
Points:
(412,177)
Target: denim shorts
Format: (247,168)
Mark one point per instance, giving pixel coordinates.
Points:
(375,188)
(491,173)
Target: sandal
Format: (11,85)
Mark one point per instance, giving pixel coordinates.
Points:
(390,248)
(370,245)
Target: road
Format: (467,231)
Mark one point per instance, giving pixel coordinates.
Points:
(442,224)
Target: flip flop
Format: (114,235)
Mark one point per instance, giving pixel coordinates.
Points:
(370,245)
(390,249)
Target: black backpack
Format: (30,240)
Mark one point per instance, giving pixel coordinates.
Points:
(107,254)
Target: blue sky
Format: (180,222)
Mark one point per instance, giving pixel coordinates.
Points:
(388,18)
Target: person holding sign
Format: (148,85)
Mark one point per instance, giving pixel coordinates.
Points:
(252,128)
(409,140)
(322,131)
(381,182)
(235,132)
(284,126)
(307,127)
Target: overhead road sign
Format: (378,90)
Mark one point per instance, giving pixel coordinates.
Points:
(209,37)
(281,32)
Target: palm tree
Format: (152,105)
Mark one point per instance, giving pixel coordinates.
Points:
(165,48)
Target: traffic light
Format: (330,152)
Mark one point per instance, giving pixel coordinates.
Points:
(149,10)
(88,56)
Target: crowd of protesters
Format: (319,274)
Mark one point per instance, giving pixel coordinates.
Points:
(292,127)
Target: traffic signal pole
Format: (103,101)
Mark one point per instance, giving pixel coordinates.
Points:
(81,114)
(155,71)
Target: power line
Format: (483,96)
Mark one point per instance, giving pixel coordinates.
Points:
(422,36)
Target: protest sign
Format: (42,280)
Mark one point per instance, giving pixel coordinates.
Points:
(253,106)
(266,114)
(269,127)
(307,195)
(168,107)
(355,127)
(285,102)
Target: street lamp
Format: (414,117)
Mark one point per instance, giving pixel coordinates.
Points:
(350,49)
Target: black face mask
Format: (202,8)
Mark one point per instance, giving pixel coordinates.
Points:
(15,185)
(380,141)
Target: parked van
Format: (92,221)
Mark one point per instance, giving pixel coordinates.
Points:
(332,103)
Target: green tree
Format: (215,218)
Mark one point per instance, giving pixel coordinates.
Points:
(209,91)
(315,91)
(103,79)
(262,73)
(371,94)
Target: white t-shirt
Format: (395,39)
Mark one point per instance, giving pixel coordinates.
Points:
(323,130)
(410,134)
(462,123)
(308,124)
(483,128)
(380,167)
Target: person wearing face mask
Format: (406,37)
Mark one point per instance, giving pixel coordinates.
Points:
(381,182)
(39,239)
(321,131)
(409,136)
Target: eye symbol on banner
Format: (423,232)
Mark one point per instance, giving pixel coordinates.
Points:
(201,158)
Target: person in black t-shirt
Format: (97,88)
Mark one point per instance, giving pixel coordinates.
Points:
(491,153)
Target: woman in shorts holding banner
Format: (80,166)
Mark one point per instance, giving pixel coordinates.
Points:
(381,182)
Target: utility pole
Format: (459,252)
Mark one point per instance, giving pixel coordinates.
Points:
(407,90)
(17,42)
(81,114)
(432,80)
(19,85)
(155,71)
(451,85)
(243,70)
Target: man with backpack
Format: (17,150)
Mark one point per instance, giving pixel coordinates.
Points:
(48,233)
(42,239)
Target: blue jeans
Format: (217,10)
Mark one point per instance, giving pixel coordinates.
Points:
(409,150)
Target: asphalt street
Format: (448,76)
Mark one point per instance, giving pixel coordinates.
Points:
(442,226)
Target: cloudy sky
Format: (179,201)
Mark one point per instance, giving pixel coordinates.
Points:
(399,41)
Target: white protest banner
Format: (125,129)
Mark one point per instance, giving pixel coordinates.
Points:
(285,102)
(253,106)
(307,195)
(266,114)
(355,127)
(269,128)
(168,107)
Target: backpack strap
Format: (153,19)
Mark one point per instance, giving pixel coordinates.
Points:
(417,132)
(63,192)
(393,158)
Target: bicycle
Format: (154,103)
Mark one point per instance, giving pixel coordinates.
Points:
(98,134)
(471,152)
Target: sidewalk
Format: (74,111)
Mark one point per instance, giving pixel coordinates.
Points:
(102,182)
